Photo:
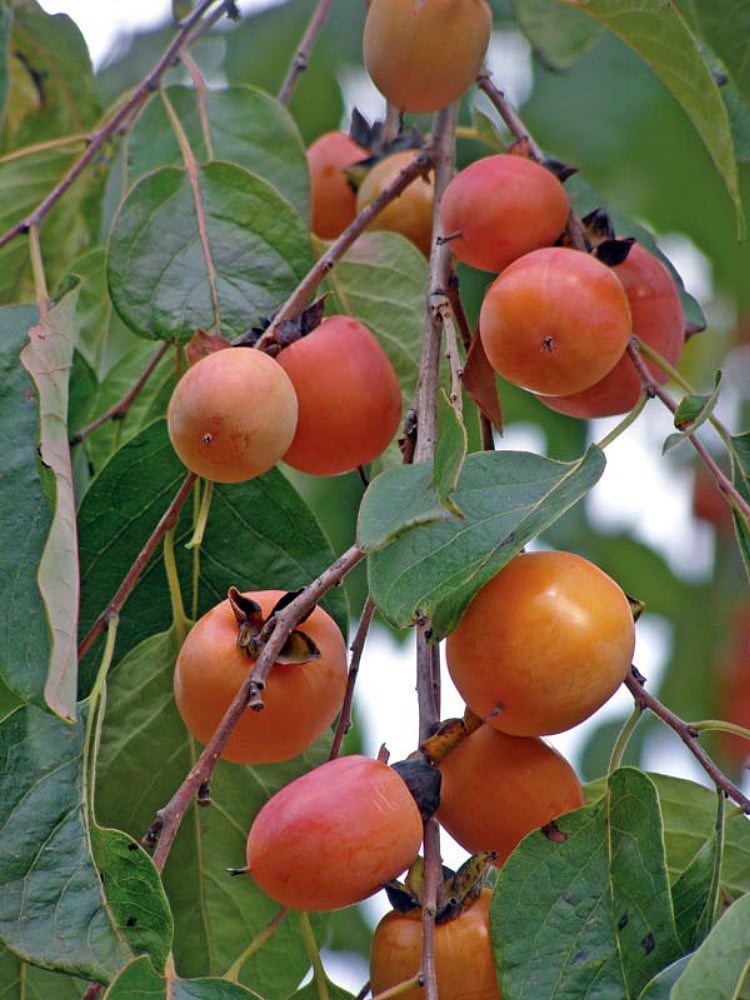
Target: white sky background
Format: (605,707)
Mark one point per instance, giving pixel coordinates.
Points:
(639,492)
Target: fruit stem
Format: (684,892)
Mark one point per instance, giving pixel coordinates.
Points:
(623,425)
(262,937)
(202,519)
(37,266)
(399,988)
(95,719)
(311,945)
(623,738)
(718,725)
(179,618)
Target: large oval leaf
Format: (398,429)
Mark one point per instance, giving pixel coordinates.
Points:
(223,258)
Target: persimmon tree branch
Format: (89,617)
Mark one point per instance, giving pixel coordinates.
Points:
(636,684)
(167,521)
(276,631)
(121,116)
(302,55)
(307,286)
(120,410)
(653,388)
(357,648)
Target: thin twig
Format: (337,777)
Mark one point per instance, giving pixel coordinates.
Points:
(459,315)
(302,55)
(653,388)
(125,112)
(357,648)
(168,520)
(635,683)
(306,288)
(120,410)
(164,829)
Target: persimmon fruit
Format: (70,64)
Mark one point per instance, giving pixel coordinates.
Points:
(232,415)
(464,963)
(301,700)
(348,394)
(411,212)
(334,835)
(502,207)
(555,321)
(422,55)
(543,644)
(658,320)
(333,202)
(497,788)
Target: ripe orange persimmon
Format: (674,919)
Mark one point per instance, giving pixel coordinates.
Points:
(411,213)
(658,320)
(335,835)
(232,415)
(497,788)
(555,321)
(542,645)
(423,54)
(502,207)
(464,964)
(348,394)
(333,202)
(301,700)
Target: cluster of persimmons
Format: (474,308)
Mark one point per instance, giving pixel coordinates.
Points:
(547,640)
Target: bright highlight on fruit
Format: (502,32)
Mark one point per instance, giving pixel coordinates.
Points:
(232,415)
(423,55)
(555,321)
(300,700)
(502,207)
(542,645)
(349,397)
(334,835)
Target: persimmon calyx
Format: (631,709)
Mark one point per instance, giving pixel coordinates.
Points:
(298,648)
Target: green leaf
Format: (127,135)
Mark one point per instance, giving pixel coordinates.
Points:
(660,986)
(658,33)
(507,498)
(141,726)
(51,84)
(381,281)
(26,517)
(54,909)
(741,478)
(102,336)
(26,178)
(488,130)
(260,535)
(139,981)
(48,358)
(725,26)
(587,911)
(21,981)
(159,278)
(692,411)
(450,452)
(311,991)
(696,892)
(6,21)
(721,966)
(245,125)
(558,33)
(399,499)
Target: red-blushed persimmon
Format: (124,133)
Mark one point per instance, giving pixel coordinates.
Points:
(348,394)
(411,213)
(502,207)
(542,645)
(232,415)
(555,321)
(464,964)
(709,503)
(497,788)
(333,202)
(658,320)
(300,700)
(334,835)
(734,688)
(422,55)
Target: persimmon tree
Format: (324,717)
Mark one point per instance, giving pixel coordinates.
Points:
(157,213)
